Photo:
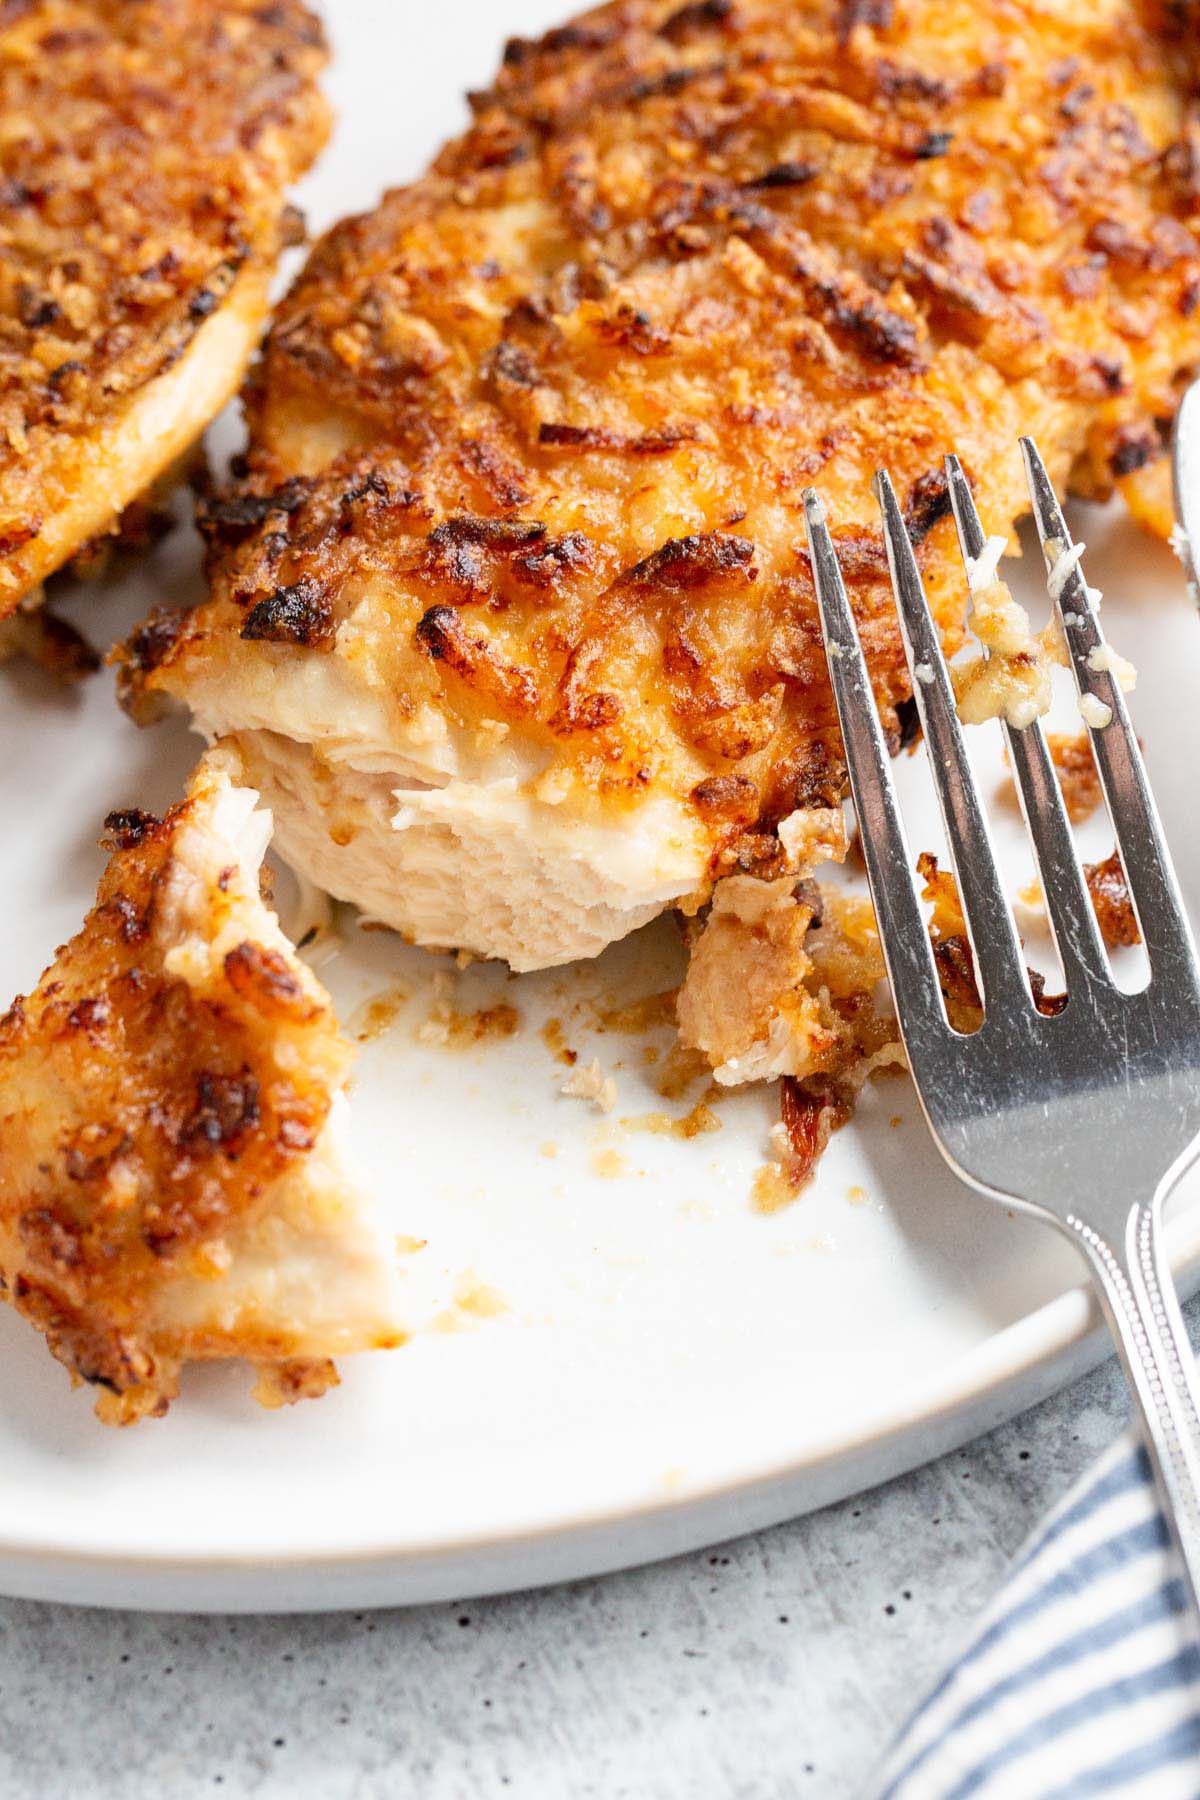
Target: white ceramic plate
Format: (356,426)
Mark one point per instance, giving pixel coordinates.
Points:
(609,1366)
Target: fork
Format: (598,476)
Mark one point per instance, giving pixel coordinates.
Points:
(1085,1118)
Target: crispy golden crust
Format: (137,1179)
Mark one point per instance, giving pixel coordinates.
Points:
(143,159)
(528,442)
(171,1070)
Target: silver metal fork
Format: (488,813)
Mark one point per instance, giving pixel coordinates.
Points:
(1086,1118)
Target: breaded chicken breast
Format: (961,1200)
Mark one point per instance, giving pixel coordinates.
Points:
(172,1185)
(145,151)
(511,614)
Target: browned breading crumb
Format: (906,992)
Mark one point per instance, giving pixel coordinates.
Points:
(1078,776)
(952,949)
(1110,897)
(588,1081)
(953,955)
(283,1384)
(696,1123)
(810,1112)
(951,945)
(450,1028)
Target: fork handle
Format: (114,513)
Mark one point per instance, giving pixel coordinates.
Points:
(1140,1300)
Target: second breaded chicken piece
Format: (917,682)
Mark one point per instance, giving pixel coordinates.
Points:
(172,1182)
(145,153)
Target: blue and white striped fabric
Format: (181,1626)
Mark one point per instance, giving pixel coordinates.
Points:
(1083,1676)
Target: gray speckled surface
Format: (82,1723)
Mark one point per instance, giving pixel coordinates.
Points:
(775,1666)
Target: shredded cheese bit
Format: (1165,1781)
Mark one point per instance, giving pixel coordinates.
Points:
(1009,676)
(1065,560)
(589,1082)
(1104,660)
(1094,712)
(982,569)
(924,674)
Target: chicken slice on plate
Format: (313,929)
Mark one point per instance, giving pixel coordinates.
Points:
(172,1182)
(511,615)
(144,155)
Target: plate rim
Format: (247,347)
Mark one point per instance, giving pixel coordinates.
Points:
(1063,1336)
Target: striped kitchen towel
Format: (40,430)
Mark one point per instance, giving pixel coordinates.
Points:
(1083,1676)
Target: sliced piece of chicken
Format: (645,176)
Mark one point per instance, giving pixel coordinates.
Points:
(172,1179)
(511,613)
(144,158)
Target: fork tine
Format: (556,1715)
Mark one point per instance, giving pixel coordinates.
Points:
(1072,916)
(999,963)
(906,947)
(1148,868)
